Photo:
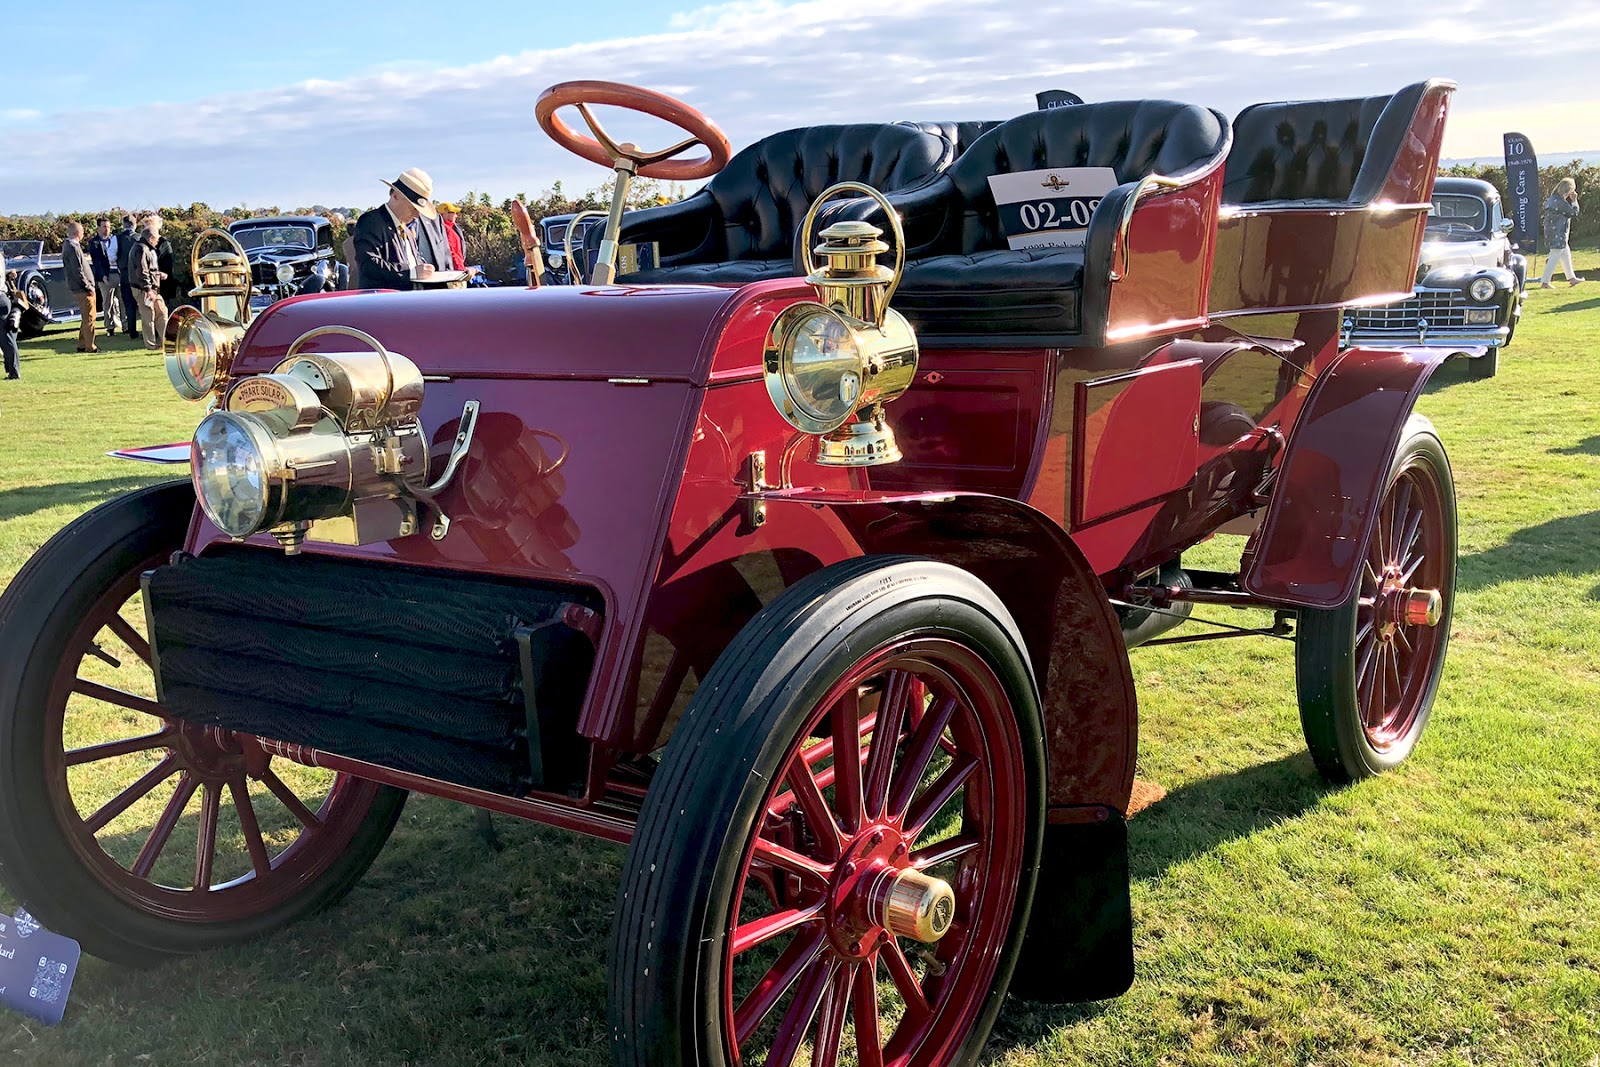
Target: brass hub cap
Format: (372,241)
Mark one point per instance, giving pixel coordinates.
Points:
(1399,605)
(919,906)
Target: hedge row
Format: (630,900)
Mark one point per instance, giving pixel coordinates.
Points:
(1586,227)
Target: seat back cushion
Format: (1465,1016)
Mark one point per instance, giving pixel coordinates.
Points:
(960,134)
(1300,149)
(765,191)
(1132,137)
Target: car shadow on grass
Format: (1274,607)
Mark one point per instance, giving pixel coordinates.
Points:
(1568,545)
(27,499)
(1589,446)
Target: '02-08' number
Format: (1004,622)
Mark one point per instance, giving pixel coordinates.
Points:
(1043,215)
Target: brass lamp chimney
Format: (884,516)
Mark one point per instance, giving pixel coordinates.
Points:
(852,284)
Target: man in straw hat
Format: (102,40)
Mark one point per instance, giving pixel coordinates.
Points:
(385,243)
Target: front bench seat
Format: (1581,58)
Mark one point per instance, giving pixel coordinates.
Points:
(741,227)
(964,285)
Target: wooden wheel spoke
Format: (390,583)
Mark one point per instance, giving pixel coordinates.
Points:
(788,859)
(1367,678)
(924,741)
(1405,642)
(286,797)
(801,954)
(205,842)
(1399,519)
(111,749)
(119,697)
(145,863)
(847,799)
(864,1012)
(130,637)
(1379,699)
(952,848)
(1397,691)
(797,1020)
(937,795)
(259,859)
(885,739)
(748,935)
(1408,539)
(133,794)
(1411,569)
(808,794)
(905,980)
(1369,575)
(830,1022)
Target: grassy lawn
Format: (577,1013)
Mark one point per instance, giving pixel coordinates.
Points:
(1445,914)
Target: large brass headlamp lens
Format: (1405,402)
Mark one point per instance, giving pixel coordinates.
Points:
(814,368)
(192,345)
(232,454)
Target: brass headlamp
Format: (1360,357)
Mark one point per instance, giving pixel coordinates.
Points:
(326,447)
(200,343)
(831,366)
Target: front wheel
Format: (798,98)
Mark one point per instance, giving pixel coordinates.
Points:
(1367,672)
(37,318)
(838,854)
(138,834)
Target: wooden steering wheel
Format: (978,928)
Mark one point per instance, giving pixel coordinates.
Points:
(602,149)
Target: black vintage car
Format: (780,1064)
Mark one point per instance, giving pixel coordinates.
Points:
(1469,280)
(43,281)
(289,255)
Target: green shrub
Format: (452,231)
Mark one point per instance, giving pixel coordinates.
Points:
(1585,227)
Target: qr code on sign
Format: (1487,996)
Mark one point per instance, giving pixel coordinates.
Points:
(47,980)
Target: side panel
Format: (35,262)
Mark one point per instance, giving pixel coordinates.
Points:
(1331,479)
(1165,279)
(1136,438)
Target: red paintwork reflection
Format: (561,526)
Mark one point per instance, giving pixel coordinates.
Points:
(1167,277)
(1136,438)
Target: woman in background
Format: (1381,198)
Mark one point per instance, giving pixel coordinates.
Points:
(1559,211)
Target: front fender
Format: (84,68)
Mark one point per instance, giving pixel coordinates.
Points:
(1330,483)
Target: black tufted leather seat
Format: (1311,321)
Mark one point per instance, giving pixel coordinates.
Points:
(1337,151)
(741,227)
(964,285)
(959,134)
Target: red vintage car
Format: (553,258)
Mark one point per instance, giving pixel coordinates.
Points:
(810,577)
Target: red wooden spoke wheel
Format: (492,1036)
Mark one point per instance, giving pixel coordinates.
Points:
(139,834)
(851,894)
(603,150)
(1368,671)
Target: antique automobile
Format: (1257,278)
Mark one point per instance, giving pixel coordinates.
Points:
(290,255)
(43,282)
(562,240)
(1470,282)
(816,589)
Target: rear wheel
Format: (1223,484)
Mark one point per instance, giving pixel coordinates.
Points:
(140,835)
(36,319)
(836,859)
(1368,672)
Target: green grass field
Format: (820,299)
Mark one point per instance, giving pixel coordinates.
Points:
(1445,914)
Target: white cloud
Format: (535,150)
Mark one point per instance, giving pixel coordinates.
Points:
(757,66)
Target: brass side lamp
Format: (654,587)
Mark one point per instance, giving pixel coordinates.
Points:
(200,343)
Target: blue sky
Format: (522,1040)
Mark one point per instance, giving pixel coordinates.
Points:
(294,103)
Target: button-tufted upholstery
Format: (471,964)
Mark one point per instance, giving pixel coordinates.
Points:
(960,134)
(963,283)
(1328,150)
(742,226)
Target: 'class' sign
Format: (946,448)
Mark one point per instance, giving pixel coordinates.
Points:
(1049,208)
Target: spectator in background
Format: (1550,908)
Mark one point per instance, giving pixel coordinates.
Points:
(169,281)
(147,287)
(10,322)
(80,283)
(386,255)
(452,236)
(127,241)
(1559,211)
(107,275)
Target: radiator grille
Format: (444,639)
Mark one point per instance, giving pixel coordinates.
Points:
(409,669)
(1443,308)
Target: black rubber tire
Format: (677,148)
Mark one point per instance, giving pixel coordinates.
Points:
(39,612)
(672,908)
(1486,365)
(1325,673)
(37,318)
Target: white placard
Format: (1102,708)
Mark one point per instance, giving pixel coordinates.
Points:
(1049,208)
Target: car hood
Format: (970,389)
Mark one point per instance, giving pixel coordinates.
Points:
(279,255)
(1456,253)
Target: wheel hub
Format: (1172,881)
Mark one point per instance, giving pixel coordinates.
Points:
(212,755)
(919,906)
(1401,605)
(874,895)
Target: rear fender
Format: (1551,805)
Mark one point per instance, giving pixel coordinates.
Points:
(1330,484)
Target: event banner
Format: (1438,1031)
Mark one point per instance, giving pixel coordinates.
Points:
(1051,99)
(1522,183)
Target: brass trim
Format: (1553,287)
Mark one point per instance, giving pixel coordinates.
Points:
(894,226)
(919,906)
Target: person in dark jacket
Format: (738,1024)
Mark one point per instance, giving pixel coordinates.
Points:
(10,323)
(127,239)
(107,276)
(386,255)
(1559,211)
(169,282)
(147,287)
(80,283)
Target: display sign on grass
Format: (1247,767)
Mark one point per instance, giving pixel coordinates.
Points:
(1049,208)
(36,968)
(1522,185)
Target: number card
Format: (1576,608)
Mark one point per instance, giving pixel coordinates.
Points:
(36,968)
(1050,208)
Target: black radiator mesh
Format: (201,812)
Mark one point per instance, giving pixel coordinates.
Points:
(408,669)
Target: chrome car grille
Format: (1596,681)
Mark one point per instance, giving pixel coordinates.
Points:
(1442,308)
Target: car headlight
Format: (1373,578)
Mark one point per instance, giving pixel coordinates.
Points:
(814,368)
(556,259)
(199,351)
(1481,289)
(285,274)
(232,455)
